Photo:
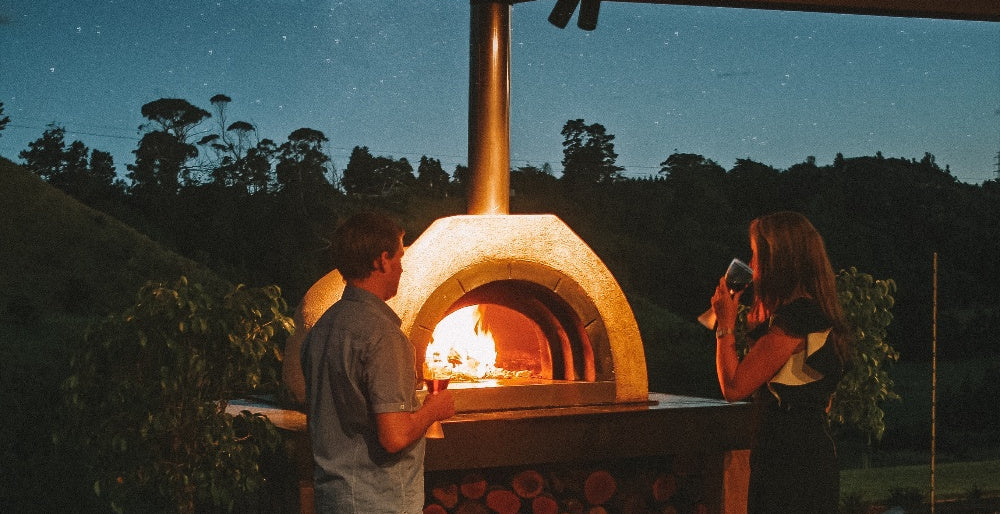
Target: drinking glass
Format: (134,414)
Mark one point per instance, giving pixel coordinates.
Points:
(436,381)
(738,277)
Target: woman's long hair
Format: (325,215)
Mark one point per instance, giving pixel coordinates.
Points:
(790,261)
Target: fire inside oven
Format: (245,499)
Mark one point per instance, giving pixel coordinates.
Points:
(509,331)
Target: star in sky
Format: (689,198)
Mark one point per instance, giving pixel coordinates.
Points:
(772,86)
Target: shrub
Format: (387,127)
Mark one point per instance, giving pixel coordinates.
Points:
(866,384)
(146,397)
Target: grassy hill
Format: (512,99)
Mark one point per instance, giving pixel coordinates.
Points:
(62,265)
(60,256)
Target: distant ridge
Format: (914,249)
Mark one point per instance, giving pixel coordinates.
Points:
(58,256)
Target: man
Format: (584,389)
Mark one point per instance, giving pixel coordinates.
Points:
(365,423)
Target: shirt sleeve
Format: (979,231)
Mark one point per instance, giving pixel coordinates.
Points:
(390,374)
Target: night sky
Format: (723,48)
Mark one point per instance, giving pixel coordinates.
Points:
(772,86)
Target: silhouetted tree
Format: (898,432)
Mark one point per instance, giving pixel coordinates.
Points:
(161,159)
(88,176)
(231,146)
(45,155)
(159,168)
(532,178)
(302,161)
(358,176)
(588,155)
(755,189)
(366,175)
(4,120)
(460,179)
(431,177)
(254,170)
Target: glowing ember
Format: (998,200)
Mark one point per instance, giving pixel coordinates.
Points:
(461,348)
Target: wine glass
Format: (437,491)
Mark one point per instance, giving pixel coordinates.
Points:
(738,277)
(436,379)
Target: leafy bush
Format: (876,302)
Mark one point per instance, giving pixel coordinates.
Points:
(146,397)
(866,384)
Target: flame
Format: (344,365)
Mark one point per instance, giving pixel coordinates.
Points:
(461,347)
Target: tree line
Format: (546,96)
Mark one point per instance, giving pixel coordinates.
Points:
(261,212)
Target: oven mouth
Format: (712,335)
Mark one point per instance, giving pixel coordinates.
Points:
(541,343)
(536,335)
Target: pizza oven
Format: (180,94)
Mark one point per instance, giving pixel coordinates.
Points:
(556,326)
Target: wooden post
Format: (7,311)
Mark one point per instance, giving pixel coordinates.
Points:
(934,380)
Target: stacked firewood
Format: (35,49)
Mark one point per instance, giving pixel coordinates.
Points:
(565,490)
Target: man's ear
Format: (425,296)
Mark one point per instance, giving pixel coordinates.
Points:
(381,264)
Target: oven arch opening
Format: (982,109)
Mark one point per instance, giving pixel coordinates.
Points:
(535,332)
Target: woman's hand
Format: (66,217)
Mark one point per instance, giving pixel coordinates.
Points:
(725,305)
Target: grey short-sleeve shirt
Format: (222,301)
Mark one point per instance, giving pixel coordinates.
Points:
(358,363)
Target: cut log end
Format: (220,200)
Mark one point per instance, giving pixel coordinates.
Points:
(446,495)
(503,501)
(473,486)
(599,487)
(544,504)
(528,484)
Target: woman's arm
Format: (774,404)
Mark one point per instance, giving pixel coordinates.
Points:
(739,379)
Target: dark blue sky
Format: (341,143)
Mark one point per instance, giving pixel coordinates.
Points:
(772,86)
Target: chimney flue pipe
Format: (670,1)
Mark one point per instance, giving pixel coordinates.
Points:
(489,107)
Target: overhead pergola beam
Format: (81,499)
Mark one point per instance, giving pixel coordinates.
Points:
(975,10)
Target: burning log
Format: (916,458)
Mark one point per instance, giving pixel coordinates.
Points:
(599,487)
(503,501)
(528,484)
(447,495)
(473,486)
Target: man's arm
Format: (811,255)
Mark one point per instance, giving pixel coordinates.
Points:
(398,430)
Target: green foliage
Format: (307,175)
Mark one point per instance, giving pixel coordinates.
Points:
(866,384)
(146,397)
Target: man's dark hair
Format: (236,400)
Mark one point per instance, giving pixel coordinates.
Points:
(359,241)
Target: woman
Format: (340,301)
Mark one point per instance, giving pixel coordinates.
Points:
(798,349)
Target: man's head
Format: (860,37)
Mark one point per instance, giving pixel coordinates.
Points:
(369,247)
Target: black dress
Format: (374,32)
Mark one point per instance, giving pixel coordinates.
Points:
(793,461)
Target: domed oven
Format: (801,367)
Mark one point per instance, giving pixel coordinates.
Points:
(557,328)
